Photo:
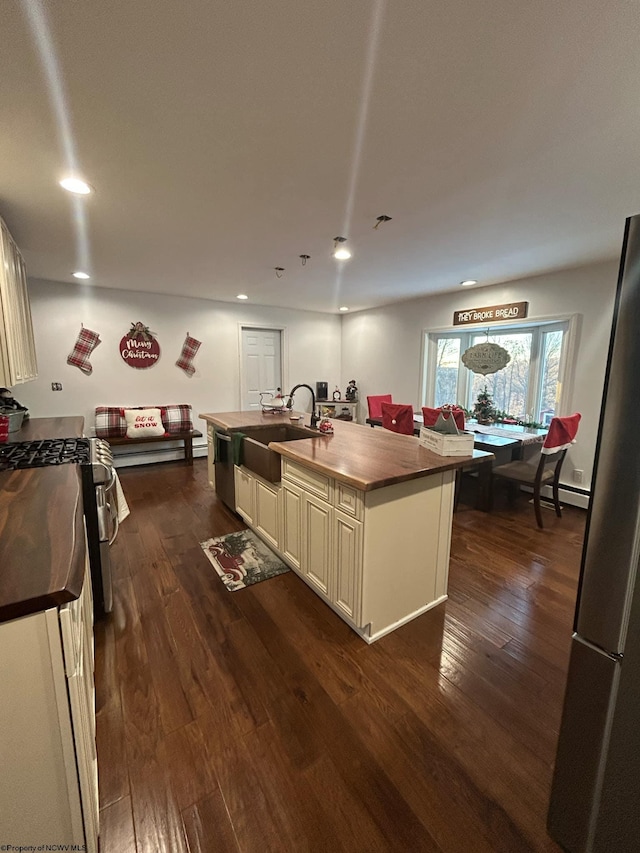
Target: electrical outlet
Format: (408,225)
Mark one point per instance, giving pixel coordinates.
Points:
(578,474)
(56,386)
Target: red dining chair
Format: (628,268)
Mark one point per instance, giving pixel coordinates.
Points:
(375,405)
(398,417)
(544,469)
(430,416)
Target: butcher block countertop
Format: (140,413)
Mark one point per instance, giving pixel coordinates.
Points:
(42,543)
(360,456)
(35,429)
(234,421)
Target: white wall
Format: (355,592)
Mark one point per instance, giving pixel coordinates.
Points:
(382,347)
(312,350)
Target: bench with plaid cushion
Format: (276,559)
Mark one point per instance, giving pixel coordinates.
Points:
(111,425)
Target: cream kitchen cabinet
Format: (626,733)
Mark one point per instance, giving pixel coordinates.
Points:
(331,539)
(267,511)
(379,558)
(49,779)
(347,556)
(320,542)
(332,555)
(291,498)
(317,542)
(245,483)
(17,346)
(258,502)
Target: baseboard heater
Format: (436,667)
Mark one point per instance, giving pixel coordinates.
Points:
(124,457)
(569,495)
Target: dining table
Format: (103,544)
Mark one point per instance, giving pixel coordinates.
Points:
(524,435)
(507,442)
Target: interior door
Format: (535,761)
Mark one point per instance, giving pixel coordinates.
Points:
(261,365)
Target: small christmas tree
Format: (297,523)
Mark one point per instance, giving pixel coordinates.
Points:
(483,409)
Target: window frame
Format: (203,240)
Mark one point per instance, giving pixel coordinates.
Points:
(569,323)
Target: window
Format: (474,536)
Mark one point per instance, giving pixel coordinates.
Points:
(447,365)
(527,388)
(549,375)
(509,387)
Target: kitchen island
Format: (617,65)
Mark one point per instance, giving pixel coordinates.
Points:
(363,516)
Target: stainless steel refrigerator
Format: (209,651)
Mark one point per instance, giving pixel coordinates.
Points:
(595,796)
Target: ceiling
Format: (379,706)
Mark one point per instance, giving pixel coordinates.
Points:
(224,139)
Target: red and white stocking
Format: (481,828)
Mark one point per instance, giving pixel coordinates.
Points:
(84,346)
(189,348)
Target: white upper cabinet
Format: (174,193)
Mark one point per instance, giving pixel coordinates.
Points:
(17,347)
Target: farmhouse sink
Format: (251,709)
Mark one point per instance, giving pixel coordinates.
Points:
(256,455)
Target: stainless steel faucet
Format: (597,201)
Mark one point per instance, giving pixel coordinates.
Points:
(314,416)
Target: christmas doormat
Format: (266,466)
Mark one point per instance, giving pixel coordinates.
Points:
(241,559)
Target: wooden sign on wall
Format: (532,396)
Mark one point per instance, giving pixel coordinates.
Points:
(139,348)
(492,314)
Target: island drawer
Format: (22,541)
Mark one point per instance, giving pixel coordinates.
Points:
(349,500)
(314,482)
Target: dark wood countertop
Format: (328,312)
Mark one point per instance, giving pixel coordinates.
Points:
(237,421)
(35,429)
(42,543)
(42,547)
(360,456)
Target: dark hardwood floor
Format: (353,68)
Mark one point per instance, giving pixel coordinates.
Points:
(258,721)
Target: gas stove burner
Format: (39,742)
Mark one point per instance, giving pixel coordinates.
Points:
(50,451)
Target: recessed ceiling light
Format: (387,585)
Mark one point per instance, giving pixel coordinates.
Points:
(81,275)
(343,308)
(242,296)
(340,251)
(75,185)
(468,282)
